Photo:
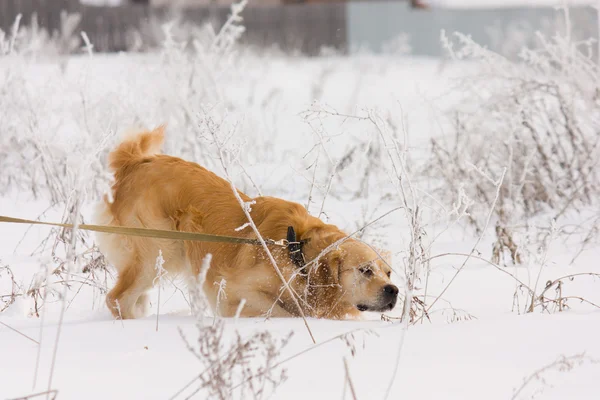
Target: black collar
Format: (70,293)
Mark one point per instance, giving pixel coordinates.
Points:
(295,249)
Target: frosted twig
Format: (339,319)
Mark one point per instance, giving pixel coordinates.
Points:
(562,363)
(309,349)
(239,309)
(220,294)
(258,191)
(19,332)
(271,259)
(334,164)
(71,265)
(198,299)
(349,380)
(491,210)
(499,268)
(88,44)
(13,33)
(542,264)
(73,207)
(53,392)
(241,228)
(39,349)
(118,307)
(246,210)
(413,216)
(312,183)
(160,271)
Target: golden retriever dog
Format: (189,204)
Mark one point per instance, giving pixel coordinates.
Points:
(157,191)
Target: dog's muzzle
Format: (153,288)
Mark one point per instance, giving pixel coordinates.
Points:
(387,300)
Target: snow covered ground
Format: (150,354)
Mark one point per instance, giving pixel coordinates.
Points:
(478,344)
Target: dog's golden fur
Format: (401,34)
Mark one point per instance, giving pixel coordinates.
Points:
(158,191)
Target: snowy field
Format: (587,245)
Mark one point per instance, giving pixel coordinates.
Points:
(435,168)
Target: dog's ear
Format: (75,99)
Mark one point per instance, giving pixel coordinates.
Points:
(385,254)
(334,264)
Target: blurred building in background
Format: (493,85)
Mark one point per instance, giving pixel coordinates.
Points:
(252,3)
(201,3)
(309,26)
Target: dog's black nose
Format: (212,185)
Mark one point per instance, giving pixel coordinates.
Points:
(390,290)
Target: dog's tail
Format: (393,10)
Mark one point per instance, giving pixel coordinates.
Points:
(140,144)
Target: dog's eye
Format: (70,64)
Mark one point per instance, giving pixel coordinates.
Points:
(366,271)
(389,274)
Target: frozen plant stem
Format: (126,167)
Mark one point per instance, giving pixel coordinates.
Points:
(562,364)
(487,222)
(349,380)
(499,268)
(14,31)
(19,332)
(271,259)
(74,203)
(160,271)
(70,266)
(334,166)
(246,210)
(39,349)
(412,211)
(307,350)
(542,263)
(54,393)
(220,293)
(400,178)
(312,183)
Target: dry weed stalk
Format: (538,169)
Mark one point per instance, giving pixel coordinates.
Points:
(561,364)
(228,155)
(498,184)
(534,299)
(227,361)
(50,395)
(348,379)
(16,290)
(560,301)
(74,193)
(49,174)
(393,143)
(539,118)
(19,332)
(160,273)
(347,337)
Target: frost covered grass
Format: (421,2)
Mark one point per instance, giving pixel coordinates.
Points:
(480,178)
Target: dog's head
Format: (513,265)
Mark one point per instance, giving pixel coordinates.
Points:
(360,273)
